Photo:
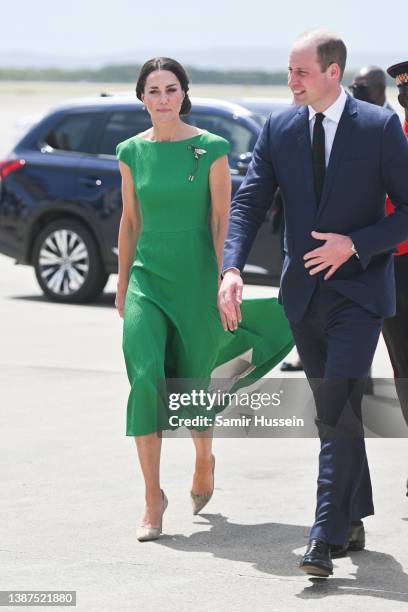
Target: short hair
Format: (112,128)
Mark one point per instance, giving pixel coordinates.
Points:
(330,48)
(165,63)
(373,75)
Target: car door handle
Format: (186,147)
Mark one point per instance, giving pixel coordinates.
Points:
(90,181)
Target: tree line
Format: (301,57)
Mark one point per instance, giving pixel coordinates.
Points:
(128,73)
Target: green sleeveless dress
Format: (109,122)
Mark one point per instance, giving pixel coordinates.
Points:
(171,326)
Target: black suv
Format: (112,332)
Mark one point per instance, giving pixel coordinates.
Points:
(60,199)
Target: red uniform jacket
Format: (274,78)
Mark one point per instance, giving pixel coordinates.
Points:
(403,247)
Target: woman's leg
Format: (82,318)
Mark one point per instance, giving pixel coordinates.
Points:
(203,481)
(148,450)
(144,341)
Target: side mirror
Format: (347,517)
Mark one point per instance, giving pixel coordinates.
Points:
(243,163)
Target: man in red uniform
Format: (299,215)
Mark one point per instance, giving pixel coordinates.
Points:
(395,330)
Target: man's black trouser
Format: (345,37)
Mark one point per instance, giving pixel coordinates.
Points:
(395,332)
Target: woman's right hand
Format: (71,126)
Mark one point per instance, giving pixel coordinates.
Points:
(120,300)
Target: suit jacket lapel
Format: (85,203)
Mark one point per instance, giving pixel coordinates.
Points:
(305,149)
(343,133)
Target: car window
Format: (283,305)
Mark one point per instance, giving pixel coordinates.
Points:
(260,118)
(240,137)
(120,126)
(73,133)
(261,113)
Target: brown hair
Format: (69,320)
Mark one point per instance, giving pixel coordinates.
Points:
(165,63)
(330,48)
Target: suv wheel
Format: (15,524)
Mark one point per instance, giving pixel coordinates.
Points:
(67,263)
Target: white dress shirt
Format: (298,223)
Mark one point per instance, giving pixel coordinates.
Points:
(330,122)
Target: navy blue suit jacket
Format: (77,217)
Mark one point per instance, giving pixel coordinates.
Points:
(369,158)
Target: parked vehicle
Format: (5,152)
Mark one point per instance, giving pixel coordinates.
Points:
(261,108)
(60,199)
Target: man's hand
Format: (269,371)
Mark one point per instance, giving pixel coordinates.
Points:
(334,253)
(229,300)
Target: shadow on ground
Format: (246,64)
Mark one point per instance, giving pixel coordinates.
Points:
(105,300)
(269,548)
(377,575)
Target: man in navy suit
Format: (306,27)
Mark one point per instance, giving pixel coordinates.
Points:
(334,159)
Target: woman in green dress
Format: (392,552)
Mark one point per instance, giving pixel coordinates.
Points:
(176,192)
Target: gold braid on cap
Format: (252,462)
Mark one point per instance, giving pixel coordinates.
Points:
(402,78)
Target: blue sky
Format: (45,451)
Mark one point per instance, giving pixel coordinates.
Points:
(83,27)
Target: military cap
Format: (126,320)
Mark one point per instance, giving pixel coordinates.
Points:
(399,72)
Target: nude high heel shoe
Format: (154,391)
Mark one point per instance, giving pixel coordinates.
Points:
(146,533)
(199,501)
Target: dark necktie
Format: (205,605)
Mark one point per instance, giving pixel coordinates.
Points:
(319,156)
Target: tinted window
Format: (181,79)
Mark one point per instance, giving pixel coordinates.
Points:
(260,119)
(240,137)
(261,111)
(74,133)
(120,126)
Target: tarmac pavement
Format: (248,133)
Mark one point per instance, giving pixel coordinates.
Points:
(72,492)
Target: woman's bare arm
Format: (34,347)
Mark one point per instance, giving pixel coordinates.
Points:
(220,188)
(129,230)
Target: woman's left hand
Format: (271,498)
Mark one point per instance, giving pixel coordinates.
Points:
(230,299)
(120,301)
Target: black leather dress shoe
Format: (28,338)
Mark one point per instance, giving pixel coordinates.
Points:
(355,541)
(291,367)
(316,561)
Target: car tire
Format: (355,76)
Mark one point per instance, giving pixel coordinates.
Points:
(67,262)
